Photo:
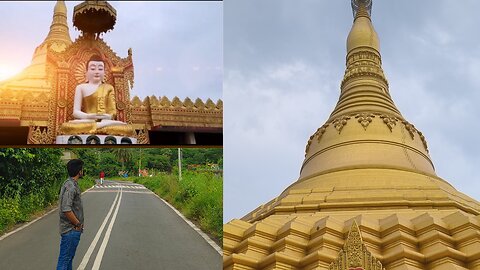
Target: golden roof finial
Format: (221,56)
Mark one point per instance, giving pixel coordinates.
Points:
(59,32)
(362,33)
(361,8)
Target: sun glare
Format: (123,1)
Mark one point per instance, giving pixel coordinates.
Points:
(8,71)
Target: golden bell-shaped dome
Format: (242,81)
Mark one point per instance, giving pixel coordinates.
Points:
(365,129)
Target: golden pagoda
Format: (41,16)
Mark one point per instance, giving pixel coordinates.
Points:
(36,102)
(368,196)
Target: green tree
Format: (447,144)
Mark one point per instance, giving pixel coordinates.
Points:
(27,170)
(123,155)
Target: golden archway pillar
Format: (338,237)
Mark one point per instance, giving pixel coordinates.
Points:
(120,93)
(61,100)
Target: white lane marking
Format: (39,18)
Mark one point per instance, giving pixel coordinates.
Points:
(120,186)
(124,191)
(137,192)
(98,259)
(92,246)
(202,234)
(33,221)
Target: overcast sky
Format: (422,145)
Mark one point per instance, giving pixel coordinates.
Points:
(285,59)
(177,46)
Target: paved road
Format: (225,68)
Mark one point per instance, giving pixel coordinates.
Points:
(126,227)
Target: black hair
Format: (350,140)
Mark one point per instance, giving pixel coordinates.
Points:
(94,57)
(74,167)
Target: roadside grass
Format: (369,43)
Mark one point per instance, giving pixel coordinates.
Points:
(19,208)
(199,196)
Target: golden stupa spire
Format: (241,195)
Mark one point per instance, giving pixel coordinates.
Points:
(59,32)
(366,144)
(366,169)
(364,86)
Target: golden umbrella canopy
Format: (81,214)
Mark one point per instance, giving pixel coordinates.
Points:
(94,17)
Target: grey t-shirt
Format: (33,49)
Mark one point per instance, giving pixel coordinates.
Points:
(69,200)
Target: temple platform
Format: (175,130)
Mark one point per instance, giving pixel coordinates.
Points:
(94,139)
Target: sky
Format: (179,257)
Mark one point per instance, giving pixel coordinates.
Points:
(283,64)
(177,46)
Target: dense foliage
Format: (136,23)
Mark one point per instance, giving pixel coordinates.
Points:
(199,196)
(155,160)
(24,171)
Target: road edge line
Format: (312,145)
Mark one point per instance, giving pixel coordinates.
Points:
(191,224)
(33,221)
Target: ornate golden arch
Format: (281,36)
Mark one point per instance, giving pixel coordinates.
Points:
(69,69)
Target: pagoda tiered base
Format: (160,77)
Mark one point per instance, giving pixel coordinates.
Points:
(400,239)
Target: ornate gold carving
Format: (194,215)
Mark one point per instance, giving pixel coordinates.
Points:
(353,247)
(340,122)
(220,104)
(390,121)
(199,104)
(176,103)
(424,141)
(142,137)
(117,69)
(39,135)
(410,128)
(318,134)
(320,131)
(188,103)
(210,105)
(165,102)
(62,103)
(153,100)
(63,64)
(364,63)
(121,105)
(364,119)
(136,102)
(354,254)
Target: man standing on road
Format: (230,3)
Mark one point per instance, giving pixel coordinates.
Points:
(71,215)
(102,175)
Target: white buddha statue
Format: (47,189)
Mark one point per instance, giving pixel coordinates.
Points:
(94,107)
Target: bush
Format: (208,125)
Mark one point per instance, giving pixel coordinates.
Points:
(198,196)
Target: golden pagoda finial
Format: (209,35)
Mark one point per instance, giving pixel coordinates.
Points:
(361,8)
(59,33)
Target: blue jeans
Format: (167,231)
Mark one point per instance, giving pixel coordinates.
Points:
(68,246)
